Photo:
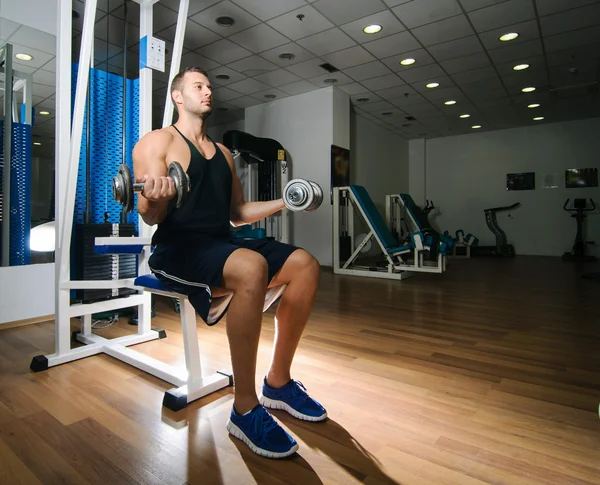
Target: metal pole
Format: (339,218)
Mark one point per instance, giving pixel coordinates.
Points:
(8,102)
(123,213)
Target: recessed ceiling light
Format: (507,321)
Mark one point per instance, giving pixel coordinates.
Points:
(225,21)
(450,102)
(37,143)
(387,113)
(538,118)
(509,36)
(476,127)
(287,56)
(362,100)
(433,85)
(407,62)
(44,112)
(270,96)
(520,67)
(23,57)
(222,76)
(330,81)
(372,29)
(534,105)
(465,115)
(528,90)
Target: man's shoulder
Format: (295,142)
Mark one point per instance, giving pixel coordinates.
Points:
(159,139)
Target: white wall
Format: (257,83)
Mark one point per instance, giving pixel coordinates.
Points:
(216,132)
(378,160)
(304,125)
(26,292)
(466,174)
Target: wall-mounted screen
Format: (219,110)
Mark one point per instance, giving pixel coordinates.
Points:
(576,178)
(520,181)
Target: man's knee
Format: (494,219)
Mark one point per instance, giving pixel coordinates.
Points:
(308,264)
(245,270)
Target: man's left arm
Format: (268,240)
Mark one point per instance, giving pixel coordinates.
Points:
(243,212)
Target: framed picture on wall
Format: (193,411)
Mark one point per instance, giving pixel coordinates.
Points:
(578,178)
(520,181)
(340,168)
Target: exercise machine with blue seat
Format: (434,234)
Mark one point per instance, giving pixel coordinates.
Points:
(407,221)
(400,260)
(190,381)
(502,248)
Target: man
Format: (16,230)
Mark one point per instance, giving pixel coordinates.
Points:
(194,251)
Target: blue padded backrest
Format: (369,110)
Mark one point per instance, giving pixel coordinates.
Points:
(417,214)
(381,229)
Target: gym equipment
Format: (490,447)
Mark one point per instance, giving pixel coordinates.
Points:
(401,261)
(578,252)
(190,383)
(502,248)
(263,177)
(123,186)
(302,195)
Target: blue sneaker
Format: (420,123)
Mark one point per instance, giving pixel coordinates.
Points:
(263,435)
(292,398)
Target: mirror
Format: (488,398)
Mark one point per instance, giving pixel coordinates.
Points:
(32,170)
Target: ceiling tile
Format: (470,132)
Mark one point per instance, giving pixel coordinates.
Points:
(253,66)
(490,86)
(344,11)
(403,99)
(39,58)
(481,74)
(322,79)
(224,51)
(268,9)
(50,65)
(443,31)
(308,69)
(568,40)
(570,20)
(587,71)
(300,54)
(354,88)
(507,13)
(420,55)
(470,5)
(326,42)
(259,38)
(207,18)
(455,48)
(392,45)
(535,63)
(194,6)
(461,64)
(262,95)
(421,86)
(116,31)
(428,73)
(393,3)
(530,77)
(277,78)
(44,77)
(349,57)
(390,25)
(492,104)
(518,51)
(293,28)
(547,7)
(234,76)
(557,58)
(32,38)
(367,71)
(248,86)
(8,28)
(298,87)
(245,102)
(421,12)
(371,97)
(383,82)
(195,35)
(195,59)
(527,31)
(376,106)
(436,95)
(422,110)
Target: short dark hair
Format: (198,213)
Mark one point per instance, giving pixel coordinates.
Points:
(178,79)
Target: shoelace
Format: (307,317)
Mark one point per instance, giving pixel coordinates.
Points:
(263,420)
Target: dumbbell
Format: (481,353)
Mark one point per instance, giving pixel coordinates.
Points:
(302,195)
(123,186)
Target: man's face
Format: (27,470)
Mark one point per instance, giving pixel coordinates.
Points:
(196,94)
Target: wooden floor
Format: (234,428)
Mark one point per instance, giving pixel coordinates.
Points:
(489,373)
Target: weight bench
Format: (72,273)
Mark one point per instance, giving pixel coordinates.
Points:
(190,383)
(400,259)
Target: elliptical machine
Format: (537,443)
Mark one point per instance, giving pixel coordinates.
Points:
(578,253)
(502,248)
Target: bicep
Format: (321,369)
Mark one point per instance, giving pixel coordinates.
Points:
(149,156)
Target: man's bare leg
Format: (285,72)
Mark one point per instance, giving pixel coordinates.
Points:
(246,274)
(301,273)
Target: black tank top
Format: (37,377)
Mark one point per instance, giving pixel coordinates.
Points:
(206,212)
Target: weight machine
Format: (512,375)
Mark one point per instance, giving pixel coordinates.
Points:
(502,248)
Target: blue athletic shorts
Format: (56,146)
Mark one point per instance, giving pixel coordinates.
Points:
(192,268)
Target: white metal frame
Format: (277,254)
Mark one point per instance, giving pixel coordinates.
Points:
(189,382)
(395,268)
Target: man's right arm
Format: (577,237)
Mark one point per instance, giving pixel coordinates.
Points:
(150,168)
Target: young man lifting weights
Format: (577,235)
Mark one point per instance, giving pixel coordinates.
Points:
(194,251)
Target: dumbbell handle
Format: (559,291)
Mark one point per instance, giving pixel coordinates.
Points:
(138,187)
